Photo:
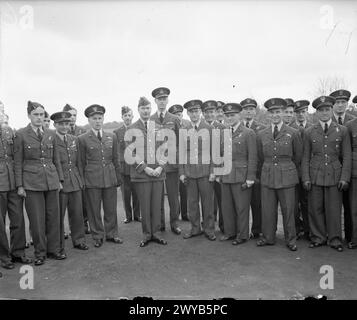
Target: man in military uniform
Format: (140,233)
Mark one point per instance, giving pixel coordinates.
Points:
(326,172)
(38,178)
(71,194)
(209,112)
(341,117)
(130,199)
(99,162)
(11,203)
(352,129)
(288,111)
(166,120)
(177,110)
(77,131)
(147,173)
(279,150)
(301,195)
(237,185)
(199,177)
(219,112)
(249,111)
(46,121)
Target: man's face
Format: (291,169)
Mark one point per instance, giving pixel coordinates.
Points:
(340,106)
(210,115)
(73,116)
(276,115)
(46,123)
(220,114)
(249,113)
(194,115)
(96,121)
(162,103)
(145,112)
(301,115)
(179,114)
(324,113)
(288,115)
(231,119)
(62,127)
(127,118)
(36,117)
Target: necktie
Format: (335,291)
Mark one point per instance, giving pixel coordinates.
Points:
(39,134)
(326,128)
(247,124)
(99,136)
(161,117)
(301,125)
(72,131)
(146,125)
(339,120)
(65,139)
(196,127)
(276,131)
(232,129)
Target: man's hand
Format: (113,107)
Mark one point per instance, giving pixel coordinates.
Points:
(60,186)
(307,185)
(212,177)
(149,171)
(183,178)
(157,171)
(21,192)
(249,183)
(218,179)
(342,186)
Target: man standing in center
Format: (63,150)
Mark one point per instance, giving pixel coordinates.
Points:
(99,162)
(166,120)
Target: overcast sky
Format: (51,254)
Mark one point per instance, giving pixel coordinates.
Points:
(111,53)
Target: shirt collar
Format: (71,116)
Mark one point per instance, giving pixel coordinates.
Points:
(304,123)
(61,136)
(197,124)
(163,112)
(36,128)
(337,116)
(250,122)
(96,132)
(323,124)
(279,126)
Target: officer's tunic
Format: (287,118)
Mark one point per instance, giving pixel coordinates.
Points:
(10,201)
(326,161)
(39,172)
(280,158)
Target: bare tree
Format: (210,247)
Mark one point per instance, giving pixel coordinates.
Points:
(326,85)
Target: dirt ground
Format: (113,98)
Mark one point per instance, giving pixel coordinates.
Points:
(186,269)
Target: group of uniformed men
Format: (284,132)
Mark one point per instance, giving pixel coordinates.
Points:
(309,169)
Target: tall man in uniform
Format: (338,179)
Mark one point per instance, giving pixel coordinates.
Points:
(219,112)
(177,110)
(11,203)
(99,162)
(341,117)
(249,111)
(199,177)
(71,194)
(280,151)
(147,176)
(166,120)
(288,111)
(38,178)
(130,198)
(301,195)
(326,172)
(77,131)
(237,185)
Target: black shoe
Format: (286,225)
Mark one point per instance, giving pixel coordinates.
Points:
(27,245)
(144,243)
(31,242)
(127,220)
(191,235)
(56,256)
(7,265)
(352,245)
(210,237)
(114,240)
(39,261)
(254,236)
(81,246)
(137,219)
(338,248)
(225,238)
(176,230)
(159,241)
(292,247)
(262,243)
(98,243)
(65,236)
(162,229)
(315,244)
(236,242)
(22,259)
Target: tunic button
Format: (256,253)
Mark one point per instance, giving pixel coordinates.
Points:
(325,146)
(70,169)
(275,164)
(325,164)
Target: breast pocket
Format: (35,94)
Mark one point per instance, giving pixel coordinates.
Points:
(32,150)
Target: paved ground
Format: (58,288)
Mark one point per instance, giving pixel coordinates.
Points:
(186,269)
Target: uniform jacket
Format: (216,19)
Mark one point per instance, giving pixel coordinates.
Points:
(137,173)
(300,129)
(77,131)
(69,157)
(120,133)
(7,176)
(170,122)
(99,160)
(37,164)
(348,117)
(244,156)
(352,129)
(322,153)
(257,126)
(199,170)
(280,158)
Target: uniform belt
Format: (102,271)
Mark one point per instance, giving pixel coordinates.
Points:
(6,159)
(99,161)
(38,161)
(323,157)
(278,158)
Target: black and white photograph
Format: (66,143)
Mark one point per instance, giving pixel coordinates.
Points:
(195,150)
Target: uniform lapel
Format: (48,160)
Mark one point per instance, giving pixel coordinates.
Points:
(32,133)
(281,132)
